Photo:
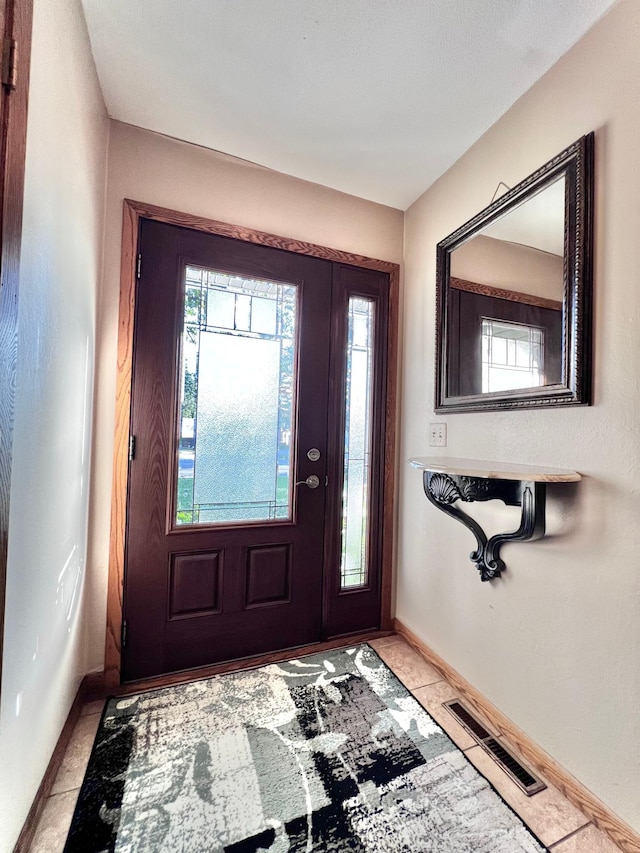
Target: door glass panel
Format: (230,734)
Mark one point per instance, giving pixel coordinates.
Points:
(237,379)
(243,312)
(357,444)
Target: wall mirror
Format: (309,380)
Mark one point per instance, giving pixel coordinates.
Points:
(513,307)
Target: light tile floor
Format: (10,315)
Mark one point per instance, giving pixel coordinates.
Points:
(548,814)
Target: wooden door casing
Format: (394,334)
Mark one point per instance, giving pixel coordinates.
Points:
(15,24)
(133,212)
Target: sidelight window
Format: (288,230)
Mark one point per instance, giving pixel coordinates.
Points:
(357,444)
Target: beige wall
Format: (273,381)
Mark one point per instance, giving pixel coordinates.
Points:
(555,644)
(44,653)
(157,170)
(509,266)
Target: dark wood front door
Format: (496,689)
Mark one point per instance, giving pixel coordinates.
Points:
(256,471)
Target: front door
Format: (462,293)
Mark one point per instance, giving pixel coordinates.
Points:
(256,445)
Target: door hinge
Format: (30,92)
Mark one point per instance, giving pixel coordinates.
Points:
(132,448)
(10,64)
(123,634)
(139,266)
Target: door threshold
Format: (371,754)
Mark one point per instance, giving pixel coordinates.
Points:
(239,664)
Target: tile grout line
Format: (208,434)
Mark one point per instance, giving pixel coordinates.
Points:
(477,746)
(431,683)
(420,686)
(411,690)
(571,834)
(514,807)
(469,748)
(64,791)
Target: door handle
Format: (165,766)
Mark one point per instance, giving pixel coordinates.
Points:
(312,481)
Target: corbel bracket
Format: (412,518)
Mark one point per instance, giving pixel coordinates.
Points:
(445,490)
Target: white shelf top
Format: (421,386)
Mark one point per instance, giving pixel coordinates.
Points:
(494,470)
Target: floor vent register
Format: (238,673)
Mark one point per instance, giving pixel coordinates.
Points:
(521,775)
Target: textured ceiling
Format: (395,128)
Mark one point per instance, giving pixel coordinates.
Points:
(373,97)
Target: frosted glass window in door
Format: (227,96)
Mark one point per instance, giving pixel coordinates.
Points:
(357,444)
(236,403)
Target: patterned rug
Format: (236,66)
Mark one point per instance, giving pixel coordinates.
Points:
(325,753)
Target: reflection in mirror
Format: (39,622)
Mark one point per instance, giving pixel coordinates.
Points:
(510,278)
(512,356)
(523,250)
(511,287)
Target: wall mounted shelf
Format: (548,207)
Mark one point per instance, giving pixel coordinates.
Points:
(448,480)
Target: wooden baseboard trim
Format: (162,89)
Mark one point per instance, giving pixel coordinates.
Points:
(25,839)
(94,686)
(606,820)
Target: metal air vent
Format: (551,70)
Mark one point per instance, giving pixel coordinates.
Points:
(517,772)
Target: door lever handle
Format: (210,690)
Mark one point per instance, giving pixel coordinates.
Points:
(312,481)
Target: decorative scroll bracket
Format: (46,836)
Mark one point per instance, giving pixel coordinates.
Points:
(444,490)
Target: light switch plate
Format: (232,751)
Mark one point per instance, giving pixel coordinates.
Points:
(438,434)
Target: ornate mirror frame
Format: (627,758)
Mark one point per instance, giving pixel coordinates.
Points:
(575,164)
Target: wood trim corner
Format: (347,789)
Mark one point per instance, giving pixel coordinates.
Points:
(601,815)
(133,212)
(16,24)
(25,839)
(115,585)
(94,687)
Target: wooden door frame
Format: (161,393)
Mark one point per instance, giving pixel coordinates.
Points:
(16,18)
(133,211)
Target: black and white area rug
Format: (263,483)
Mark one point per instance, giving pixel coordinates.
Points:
(324,753)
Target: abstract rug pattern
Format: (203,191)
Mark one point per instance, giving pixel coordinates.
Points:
(325,753)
